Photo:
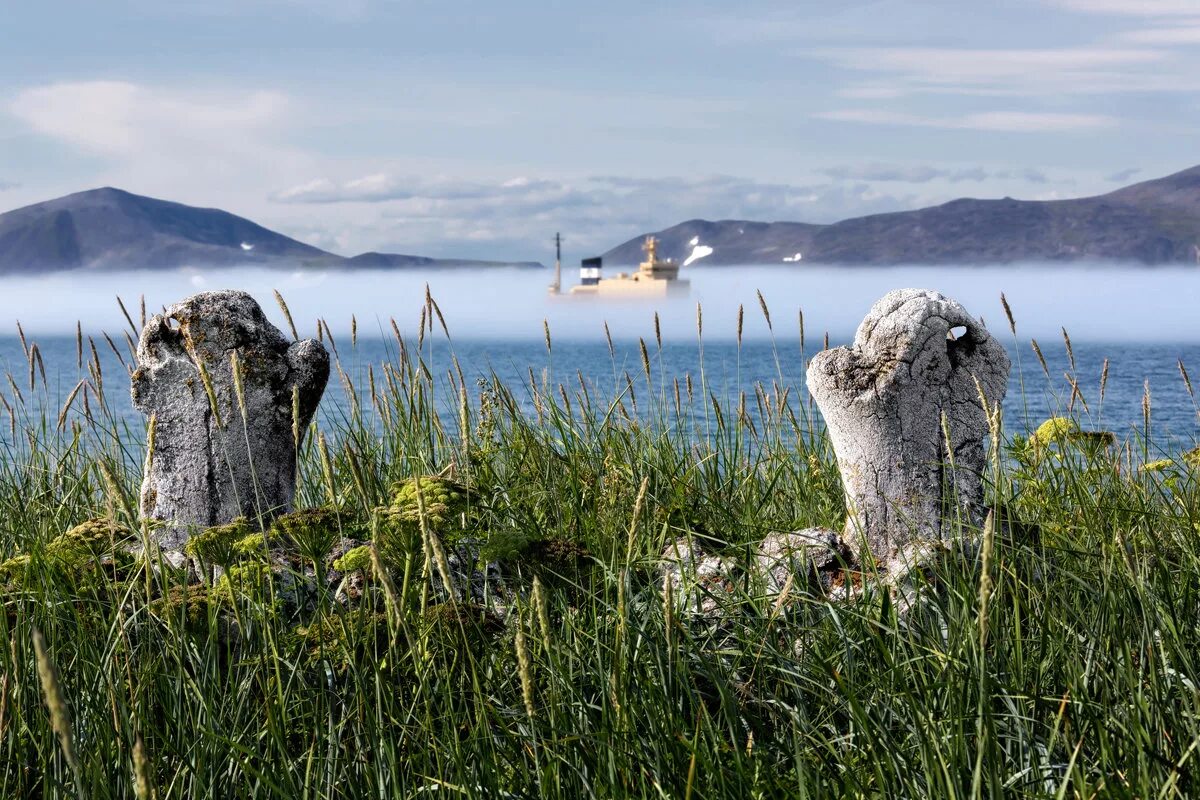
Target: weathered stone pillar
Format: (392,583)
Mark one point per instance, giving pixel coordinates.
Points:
(224,447)
(907,476)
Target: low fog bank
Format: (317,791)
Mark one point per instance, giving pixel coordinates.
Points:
(1101,303)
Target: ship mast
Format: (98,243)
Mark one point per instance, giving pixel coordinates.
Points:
(651,248)
(556,287)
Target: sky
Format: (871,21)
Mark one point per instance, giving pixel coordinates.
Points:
(480,129)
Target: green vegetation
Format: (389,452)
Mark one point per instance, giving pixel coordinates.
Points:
(337,654)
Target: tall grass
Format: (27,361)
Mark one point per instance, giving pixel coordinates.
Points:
(1060,661)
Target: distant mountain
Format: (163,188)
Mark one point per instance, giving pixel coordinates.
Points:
(113,229)
(396,261)
(1155,222)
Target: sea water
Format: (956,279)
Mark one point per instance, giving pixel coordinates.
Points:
(1140,320)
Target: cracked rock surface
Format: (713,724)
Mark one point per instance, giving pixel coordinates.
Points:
(218,458)
(808,557)
(700,583)
(883,400)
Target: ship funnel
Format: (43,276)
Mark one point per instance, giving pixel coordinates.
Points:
(589,271)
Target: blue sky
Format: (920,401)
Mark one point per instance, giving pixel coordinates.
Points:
(480,129)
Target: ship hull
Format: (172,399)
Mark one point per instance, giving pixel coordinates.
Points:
(632,289)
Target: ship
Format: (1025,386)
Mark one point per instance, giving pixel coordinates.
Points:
(655,277)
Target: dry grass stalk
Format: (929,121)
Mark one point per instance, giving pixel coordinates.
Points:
(1041,358)
(128,318)
(542,606)
(524,668)
(56,703)
(143,787)
(287,315)
(62,415)
(762,304)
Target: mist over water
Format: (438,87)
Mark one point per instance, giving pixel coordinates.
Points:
(1097,303)
(1143,320)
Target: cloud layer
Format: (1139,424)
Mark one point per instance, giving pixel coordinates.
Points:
(595,212)
(998,121)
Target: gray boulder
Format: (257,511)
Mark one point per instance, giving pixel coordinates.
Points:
(907,478)
(809,558)
(701,584)
(223,448)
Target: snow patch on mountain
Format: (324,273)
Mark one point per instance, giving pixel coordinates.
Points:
(699,251)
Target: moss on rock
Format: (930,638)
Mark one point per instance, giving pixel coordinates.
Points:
(187,606)
(553,553)
(448,507)
(312,531)
(248,579)
(13,570)
(357,559)
(342,639)
(217,545)
(81,553)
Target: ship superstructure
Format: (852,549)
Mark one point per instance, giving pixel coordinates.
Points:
(655,277)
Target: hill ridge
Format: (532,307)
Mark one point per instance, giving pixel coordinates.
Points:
(111,228)
(1152,222)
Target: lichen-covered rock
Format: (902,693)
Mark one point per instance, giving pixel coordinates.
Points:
(907,477)
(810,557)
(701,584)
(347,568)
(225,439)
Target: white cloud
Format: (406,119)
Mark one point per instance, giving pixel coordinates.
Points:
(420,192)
(7,185)
(515,217)
(126,119)
(1027,122)
(336,10)
(1009,72)
(1176,35)
(953,65)
(1000,121)
(924,173)
(1124,175)
(1133,8)
(193,145)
